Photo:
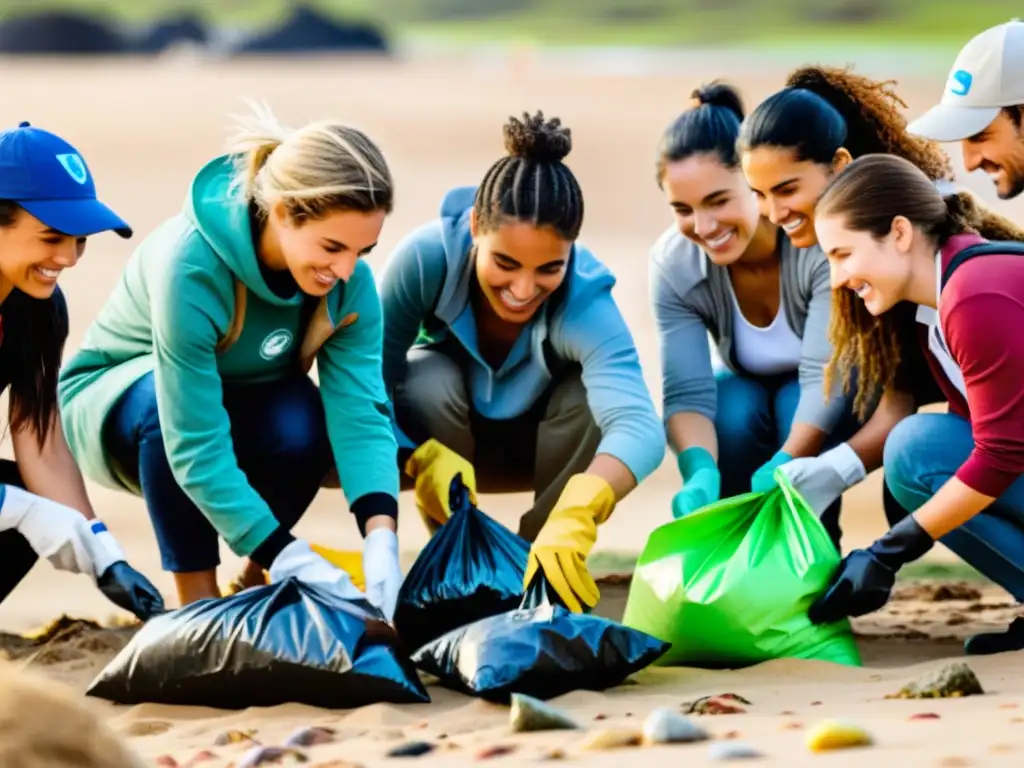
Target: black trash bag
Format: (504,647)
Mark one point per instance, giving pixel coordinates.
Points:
(540,649)
(473,567)
(275,644)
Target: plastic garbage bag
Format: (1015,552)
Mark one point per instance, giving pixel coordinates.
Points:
(284,642)
(540,649)
(730,584)
(473,567)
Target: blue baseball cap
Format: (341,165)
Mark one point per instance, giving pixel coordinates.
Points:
(48,178)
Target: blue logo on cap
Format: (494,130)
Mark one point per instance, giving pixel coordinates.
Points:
(75,167)
(960,82)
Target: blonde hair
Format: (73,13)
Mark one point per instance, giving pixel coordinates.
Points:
(321,167)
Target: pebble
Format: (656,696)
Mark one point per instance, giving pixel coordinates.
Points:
(410,749)
(732,750)
(267,755)
(530,714)
(165,761)
(952,681)
(663,726)
(924,716)
(233,737)
(311,736)
(496,751)
(200,757)
(612,738)
(832,734)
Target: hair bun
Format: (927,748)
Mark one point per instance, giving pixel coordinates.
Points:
(534,138)
(719,94)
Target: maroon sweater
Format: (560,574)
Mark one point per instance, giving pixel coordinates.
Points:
(981,311)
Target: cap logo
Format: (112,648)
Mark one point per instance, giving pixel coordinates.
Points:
(960,82)
(74,166)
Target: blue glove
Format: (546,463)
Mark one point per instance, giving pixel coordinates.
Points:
(701,482)
(764,478)
(864,579)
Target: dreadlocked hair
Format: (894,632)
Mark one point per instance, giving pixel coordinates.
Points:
(532,183)
(822,109)
(869,193)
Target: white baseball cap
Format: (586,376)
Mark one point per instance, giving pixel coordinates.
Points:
(987,75)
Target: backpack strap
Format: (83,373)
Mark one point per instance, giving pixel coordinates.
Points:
(237,318)
(994,248)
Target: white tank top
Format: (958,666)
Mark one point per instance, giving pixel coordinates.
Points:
(764,351)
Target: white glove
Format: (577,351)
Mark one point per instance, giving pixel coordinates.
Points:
(59,533)
(297,560)
(382,571)
(822,479)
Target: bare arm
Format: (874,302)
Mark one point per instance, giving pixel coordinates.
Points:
(804,440)
(692,430)
(50,470)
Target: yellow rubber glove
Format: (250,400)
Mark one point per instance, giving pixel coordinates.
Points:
(433,466)
(562,546)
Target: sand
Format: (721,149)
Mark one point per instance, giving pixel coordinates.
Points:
(145,127)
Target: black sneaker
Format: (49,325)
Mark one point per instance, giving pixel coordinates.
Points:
(997,642)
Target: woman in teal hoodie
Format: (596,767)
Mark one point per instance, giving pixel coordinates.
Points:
(506,356)
(191,386)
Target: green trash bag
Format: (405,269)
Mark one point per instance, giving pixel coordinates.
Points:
(730,584)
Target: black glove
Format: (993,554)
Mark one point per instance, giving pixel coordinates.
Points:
(129,589)
(864,579)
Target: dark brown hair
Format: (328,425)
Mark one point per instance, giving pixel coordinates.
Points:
(824,108)
(869,193)
(34,332)
(711,125)
(531,183)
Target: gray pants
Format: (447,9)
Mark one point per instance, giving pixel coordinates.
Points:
(537,451)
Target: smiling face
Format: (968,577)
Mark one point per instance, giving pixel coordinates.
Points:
(32,255)
(713,206)
(518,265)
(998,151)
(877,270)
(787,189)
(320,252)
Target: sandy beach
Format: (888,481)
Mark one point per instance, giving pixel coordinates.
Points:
(146,126)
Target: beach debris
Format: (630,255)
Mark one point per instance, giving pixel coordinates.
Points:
(936,593)
(530,714)
(165,761)
(732,750)
(722,704)
(271,756)
(557,753)
(793,725)
(496,751)
(663,726)
(310,736)
(924,716)
(952,681)
(412,749)
(834,734)
(600,717)
(611,738)
(815,703)
(234,737)
(200,757)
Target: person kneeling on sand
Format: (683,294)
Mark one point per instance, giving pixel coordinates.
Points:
(724,269)
(44,725)
(893,242)
(508,359)
(191,386)
(48,207)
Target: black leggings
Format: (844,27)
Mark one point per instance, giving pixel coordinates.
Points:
(16,556)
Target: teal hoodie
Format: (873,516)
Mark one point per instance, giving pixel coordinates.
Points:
(426,282)
(174,305)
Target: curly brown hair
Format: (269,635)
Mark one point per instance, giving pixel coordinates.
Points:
(823,109)
(868,194)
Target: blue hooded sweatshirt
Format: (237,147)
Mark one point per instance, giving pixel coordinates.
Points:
(429,275)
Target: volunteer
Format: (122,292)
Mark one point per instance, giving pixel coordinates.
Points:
(724,269)
(982,107)
(48,207)
(508,359)
(790,146)
(892,239)
(191,386)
